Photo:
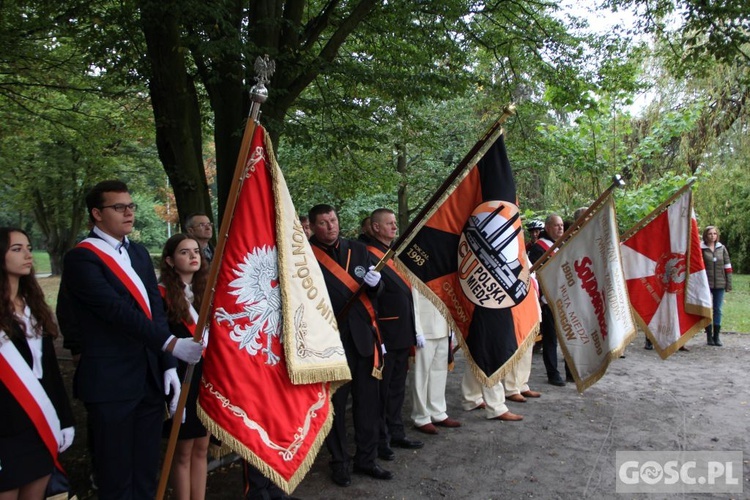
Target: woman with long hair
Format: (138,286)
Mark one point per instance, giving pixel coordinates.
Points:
(182,283)
(719,272)
(36,421)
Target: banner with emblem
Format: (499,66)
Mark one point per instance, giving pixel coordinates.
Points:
(470,252)
(274,346)
(666,275)
(585,288)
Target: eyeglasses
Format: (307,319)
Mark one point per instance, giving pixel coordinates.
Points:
(204,225)
(121,207)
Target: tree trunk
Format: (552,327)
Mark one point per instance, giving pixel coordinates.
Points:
(403,198)
(176,108)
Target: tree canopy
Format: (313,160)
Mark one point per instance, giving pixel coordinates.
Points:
(372,103)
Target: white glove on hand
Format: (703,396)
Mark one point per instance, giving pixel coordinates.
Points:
(382,349)
(372,278)
(187,350)
(66,438)
(420,340)
(204,340)
(172,384)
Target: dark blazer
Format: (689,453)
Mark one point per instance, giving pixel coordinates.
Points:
(395,307)
(13,419)
(357,321)
(120,346)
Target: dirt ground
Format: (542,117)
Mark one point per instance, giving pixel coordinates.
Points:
(565,446)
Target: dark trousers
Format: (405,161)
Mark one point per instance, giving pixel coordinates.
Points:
(365,390)
(549,343)
(392,395)
(258,486)
(127,438)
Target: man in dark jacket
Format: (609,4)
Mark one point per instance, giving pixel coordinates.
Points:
(346,267)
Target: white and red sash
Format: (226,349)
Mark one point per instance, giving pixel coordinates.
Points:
(126,274)
(17,376)
(193,314)
(546,244)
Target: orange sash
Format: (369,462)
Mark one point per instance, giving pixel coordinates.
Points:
(389,264)
(346,279)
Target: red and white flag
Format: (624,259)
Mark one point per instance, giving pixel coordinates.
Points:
(274,347)
(667,278)
(585,288)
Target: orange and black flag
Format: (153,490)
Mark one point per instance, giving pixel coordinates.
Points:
(470,252)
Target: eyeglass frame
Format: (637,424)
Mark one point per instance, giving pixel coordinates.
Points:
(203,225)
(121,207)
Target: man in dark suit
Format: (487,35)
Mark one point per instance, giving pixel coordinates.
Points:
(346,265)
(397,323)
(553,230)
(121,375)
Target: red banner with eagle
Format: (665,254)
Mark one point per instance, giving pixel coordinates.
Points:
(666,276)
(471,253)
(274,347)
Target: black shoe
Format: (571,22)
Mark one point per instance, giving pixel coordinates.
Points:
(340,476)
(558,381)
(374,471)
(386,454)
(409,444)
(649,346)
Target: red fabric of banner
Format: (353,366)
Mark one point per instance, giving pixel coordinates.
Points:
(246,394)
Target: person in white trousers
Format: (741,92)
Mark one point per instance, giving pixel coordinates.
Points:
(492,399)
(517,380)
(430,367)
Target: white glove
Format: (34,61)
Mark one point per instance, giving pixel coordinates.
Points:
(172,384)
(420,340)
(204,340)
(187,350)
(66,439)
(372,278)
(382,349)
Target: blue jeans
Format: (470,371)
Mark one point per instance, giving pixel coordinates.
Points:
(718,299)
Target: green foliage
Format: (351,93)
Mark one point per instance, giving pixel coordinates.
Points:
(149,229)
(698,33)
(633,204)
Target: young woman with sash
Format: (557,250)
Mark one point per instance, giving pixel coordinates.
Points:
(182,283)
(36,421)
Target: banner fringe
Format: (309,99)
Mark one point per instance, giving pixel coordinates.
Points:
(287,485)
(511,363)
(299,374)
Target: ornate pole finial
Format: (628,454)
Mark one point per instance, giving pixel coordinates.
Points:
(264,68)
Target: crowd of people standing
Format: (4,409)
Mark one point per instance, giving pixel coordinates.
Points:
(132,334)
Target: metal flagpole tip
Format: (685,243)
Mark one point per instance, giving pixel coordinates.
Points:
(264,68)
(618,181)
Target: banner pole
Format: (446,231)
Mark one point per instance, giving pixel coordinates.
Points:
(471,159)
(264,68)
(617,182)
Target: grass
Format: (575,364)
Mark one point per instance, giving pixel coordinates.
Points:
(41,262)
(736,311)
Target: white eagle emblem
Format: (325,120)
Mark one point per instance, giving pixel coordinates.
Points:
(257,289)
